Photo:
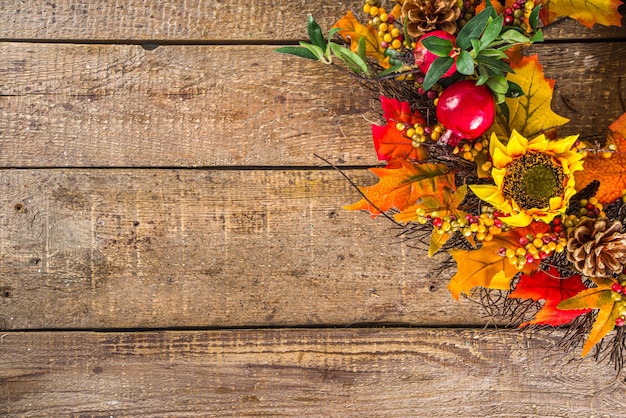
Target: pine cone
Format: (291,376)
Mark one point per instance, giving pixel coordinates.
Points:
(427,15)
(596,248)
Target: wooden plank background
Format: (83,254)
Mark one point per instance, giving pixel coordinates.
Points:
(170,244)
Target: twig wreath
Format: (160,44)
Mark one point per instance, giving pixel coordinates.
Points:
(533,220)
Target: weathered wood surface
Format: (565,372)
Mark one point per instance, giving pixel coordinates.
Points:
(190,106)
(339,372)
(170,248)
(125,235)
(197,20)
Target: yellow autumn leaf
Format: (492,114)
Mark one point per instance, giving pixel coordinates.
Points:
(352,30)
(587,12)
(603,298)
(531,114)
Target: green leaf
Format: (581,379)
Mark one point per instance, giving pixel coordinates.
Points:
(473,29)
(315,33)
(537,37)
(351,59)
(513,36)
(465,63)
(438,68)
(500,98)
(315,50)
(483,75)
(514,91)
(533,19)
(491,32)
(361,48)
(504,111)
(493,53)
(438,46)
(298,51)
(476,47)
(391,69)
(498,84)
(498,65)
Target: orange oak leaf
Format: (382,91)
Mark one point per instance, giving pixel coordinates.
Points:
(486,266)
(586,12)
(610,172)
(399,188)
(553,289)
(602,298)
(391,144)
(530,114)
(352,30)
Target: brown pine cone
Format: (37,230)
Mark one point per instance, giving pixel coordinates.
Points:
(427,15)
(596,248)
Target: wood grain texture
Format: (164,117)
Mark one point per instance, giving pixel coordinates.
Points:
(208,248)
(197,20)
(339,372)
(190,106)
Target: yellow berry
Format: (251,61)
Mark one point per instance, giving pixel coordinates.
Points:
(373,11)
(400,126)
(520,252)
(435,135)
(387,38)
(367,8)
(395,32)
(396,44)
(383,26)
(537,243)
(384,17)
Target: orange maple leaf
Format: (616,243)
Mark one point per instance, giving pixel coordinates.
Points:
(352,30)
(610,172)
(391,144)
(587,12)
(602,298)
(552,288)
(399,188)
(486,266)
(530,114)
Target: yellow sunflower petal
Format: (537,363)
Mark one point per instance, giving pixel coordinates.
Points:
(500,159)
(556,203)
(494,143)
(538,144)
(498,176)
(562,145)
(517,145)
(520,220)
(488,193)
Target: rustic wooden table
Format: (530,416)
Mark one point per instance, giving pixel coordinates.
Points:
(170,246)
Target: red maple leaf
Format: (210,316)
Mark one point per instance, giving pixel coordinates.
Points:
(391,144)
(552,288)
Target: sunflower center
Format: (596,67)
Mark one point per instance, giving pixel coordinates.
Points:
(532,180)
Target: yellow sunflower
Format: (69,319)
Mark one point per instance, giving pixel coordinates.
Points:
(533,179)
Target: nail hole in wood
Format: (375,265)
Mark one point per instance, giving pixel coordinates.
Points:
(18,207)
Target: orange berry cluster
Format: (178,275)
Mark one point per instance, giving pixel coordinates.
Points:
(418,133)
(482,227)
(390,35)
(533,247)
(470,150)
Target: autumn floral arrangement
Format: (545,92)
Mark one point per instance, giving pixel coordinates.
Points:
(475,163)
